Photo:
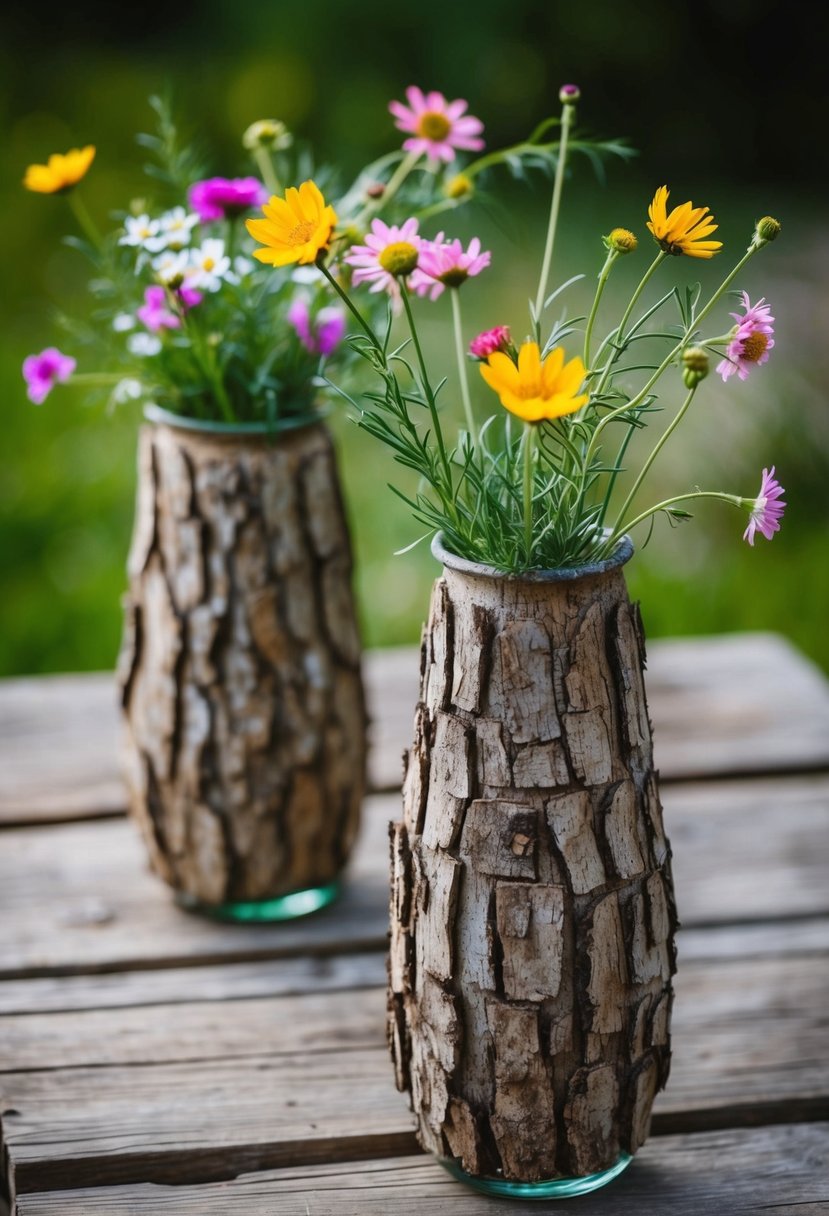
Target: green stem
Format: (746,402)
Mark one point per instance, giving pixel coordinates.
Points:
(427,387)
(462,372)
(355,312)
(230,243)
(669,358)
(266,167)
(660,443)
(566,119)
(394,183)
(529,444)
(85,220)
(734,499)
(207,361)
(603,277)
(619,331)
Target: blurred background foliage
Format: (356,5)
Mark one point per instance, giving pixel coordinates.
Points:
(701,90)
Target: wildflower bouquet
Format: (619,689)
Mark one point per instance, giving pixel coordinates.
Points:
(554,491)
(189,312)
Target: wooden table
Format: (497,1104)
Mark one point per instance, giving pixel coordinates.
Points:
(156,1062)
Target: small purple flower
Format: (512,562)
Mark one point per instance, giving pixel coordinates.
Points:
(751,340)
(768,508)
(220,198)
(42,372)
(320,335)
(154,313)
(445,264)
(189,296)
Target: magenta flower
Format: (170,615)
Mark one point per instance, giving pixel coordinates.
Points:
(438,127)
(750,341)
(491,340)
(321,334)
(221,198)
(444,264)
(154,312)
(42,372)
(767,510)
(390,252)
(189,296)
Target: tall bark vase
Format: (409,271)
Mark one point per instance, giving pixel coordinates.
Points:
(240,667)
(532,910)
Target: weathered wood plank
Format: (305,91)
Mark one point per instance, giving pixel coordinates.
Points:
(243,1089)
(339,973)
(331,973)
(78,897)
(765,1169)
(742,703)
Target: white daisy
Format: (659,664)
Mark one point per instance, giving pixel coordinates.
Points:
(176,227)
(209,265)
(172,268)
(142,233)
(123,322)
(127,390)
(143,344)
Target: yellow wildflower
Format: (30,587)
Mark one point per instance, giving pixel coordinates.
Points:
(61,173)
(295,228)
(684,230)
(536,388)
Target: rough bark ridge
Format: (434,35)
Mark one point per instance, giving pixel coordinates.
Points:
(240,664)
(532,909)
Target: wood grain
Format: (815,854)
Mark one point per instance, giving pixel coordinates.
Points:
(779,1170)
(744,851)
(244,1089)
(747,703)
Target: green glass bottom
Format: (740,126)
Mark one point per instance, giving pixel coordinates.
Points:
(284,907)
(553,1188)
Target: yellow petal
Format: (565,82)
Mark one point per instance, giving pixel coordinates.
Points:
(40,179)
(563,403)
(277,209)
(500,373)
(570,377)
(550,370)
(529,362)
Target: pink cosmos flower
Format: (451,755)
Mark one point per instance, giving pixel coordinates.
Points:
(220,198)
(489,341)
(42,372)
(389,253)
(438,127)
(768,508)
(321,334)
(154,312)
(751,341)
(189,296)
(444,264)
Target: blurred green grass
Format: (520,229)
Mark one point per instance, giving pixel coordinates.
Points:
(67,472)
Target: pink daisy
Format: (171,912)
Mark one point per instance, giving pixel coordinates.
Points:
(42,372)
(438,127)
(445,264)
(390,252)
(751,340)
(491,340)
(768,508)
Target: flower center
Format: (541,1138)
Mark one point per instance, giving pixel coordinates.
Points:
(208,264)
(302,233)
(454,276)
(753,347)
(398,258)
(433,126)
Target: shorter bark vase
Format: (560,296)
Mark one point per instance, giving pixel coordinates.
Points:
(532,909)
(240,667)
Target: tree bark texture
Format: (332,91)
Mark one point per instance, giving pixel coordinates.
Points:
(532,910)
(240,664)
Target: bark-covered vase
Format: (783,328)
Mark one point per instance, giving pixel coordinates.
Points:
(240,667)
(532,910)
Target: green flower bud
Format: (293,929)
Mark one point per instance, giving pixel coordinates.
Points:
(767,229)
(267,133)
(695,366)
(569,94)
(620,239)
(459,186)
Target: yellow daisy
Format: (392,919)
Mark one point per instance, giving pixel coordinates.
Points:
(61,172)
(536,388)
(295,228)
(684,230)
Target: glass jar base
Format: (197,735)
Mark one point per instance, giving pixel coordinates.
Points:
(553,1188)
(284,907)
